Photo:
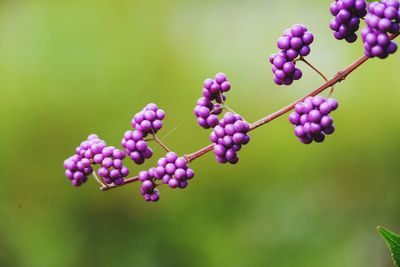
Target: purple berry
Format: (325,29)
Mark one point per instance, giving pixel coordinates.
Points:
(311,119)
(134,145)
(346,21)
(79,166)
(112,170)
(149,120)
(208,107)
(383,19)
(228,138)
(295,42)
(171,170)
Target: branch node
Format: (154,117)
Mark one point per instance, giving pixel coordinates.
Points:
(341,76)
(187,158)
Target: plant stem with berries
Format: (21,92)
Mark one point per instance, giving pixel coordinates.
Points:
(340,76)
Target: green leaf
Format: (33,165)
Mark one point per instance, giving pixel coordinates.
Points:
(393,242)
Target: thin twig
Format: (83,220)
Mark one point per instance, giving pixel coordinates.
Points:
(314,68)
(98,179)
(226,106)
(158,141)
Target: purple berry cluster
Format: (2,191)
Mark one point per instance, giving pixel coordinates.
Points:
(377,44)
(295,42)
(90,147)
(149,120)
(171,170)
(285,72)
(311,119)
(383,18)
(135,146)
(209,106)
(207,113)
(112,169)
(149,191)
(347,16)
(79,166)
(228,137)
(77,169)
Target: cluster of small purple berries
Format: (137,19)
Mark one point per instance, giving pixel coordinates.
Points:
(209,106)
(295,42)
(382,18)
(134,145)
(79,166)
(77,169)
(311,119)
(112,169)
(148,121)
(228,137)
(171,170)
(285,72)
(347,16)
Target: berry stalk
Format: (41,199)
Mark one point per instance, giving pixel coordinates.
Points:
(314,68)
(98,180)
(158,141)
(340,76)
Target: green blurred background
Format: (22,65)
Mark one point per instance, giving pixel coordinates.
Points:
(71,68)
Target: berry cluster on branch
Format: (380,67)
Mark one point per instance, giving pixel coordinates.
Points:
(294,43)
(311,117)
(211,104)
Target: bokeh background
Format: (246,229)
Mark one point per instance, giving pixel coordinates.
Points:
(71,68)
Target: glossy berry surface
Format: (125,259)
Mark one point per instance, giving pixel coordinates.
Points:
(75,171)
(79,166)
(285,72)
(90,147)
(384,16)
(347,16)
(214,88)
(112,169)
(228,137)
(209,106)
(207,113)
(294,43)
(383,19)
(149,120)
(377,43)
(135,146)
(171,170)
(311,119)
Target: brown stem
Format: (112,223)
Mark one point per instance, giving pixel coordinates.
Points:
(98,180)
(340,76)
(224,104)
(126,181)
(314,68)
(229,109)
(158,141)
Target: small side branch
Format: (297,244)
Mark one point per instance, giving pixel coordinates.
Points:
(126,181)
(98,180)
(158,141)
(314,68)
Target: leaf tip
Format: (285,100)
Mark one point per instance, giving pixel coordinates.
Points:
(380,229)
